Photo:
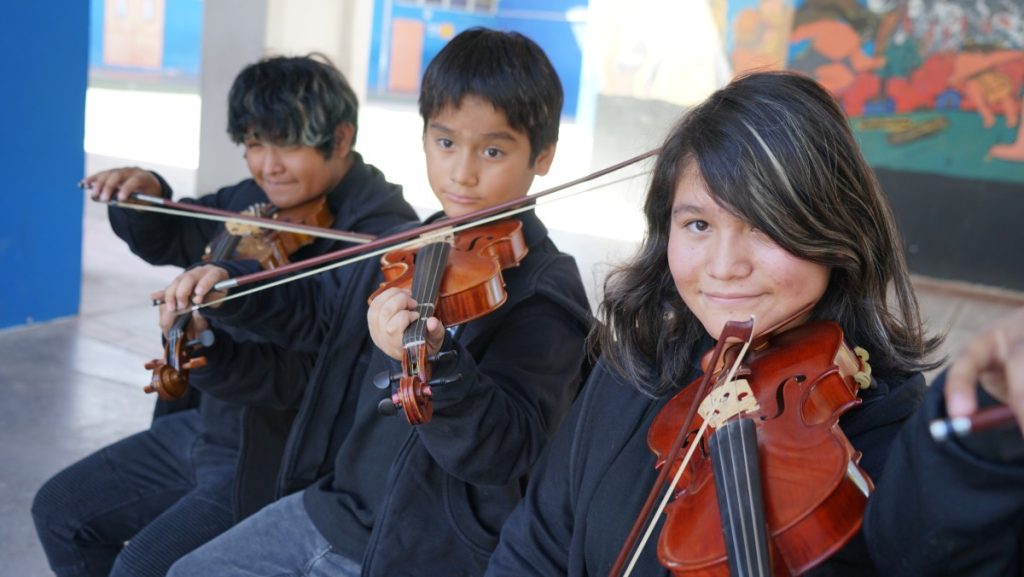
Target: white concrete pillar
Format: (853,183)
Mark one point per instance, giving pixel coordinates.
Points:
(340,29)
(239,32)
(233,36)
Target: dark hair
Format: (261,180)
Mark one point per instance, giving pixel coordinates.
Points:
(506,69)
(291,101)
(775,149)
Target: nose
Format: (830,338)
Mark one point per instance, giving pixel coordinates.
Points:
(464,169)
(272,160)
(729,257)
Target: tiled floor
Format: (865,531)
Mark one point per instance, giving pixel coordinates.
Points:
(71,386)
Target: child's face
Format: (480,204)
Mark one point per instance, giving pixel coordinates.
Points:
(294,175)
(725,269)
(475,160)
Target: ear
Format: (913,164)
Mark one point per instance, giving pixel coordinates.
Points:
(343,134)
(543,162)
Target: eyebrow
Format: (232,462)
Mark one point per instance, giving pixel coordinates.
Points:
(687,208)
(499,135)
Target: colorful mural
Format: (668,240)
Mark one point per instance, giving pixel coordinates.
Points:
(934,86)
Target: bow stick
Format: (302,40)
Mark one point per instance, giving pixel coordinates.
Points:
(147,203)
(402,239)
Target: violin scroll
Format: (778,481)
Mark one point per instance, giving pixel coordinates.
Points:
(170,373)
(412,394)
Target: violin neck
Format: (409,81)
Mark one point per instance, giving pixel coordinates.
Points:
(740,500)
(226,247)
(179,324)
(431,261)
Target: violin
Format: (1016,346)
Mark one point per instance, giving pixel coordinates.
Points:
(777,488)
(456,279)
(239,240)
(271,248)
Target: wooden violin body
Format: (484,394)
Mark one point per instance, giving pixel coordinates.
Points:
(471,284)
(271,248)
(455,283)
(793,390)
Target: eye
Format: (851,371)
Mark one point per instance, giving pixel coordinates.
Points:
(445,143)
(491,152)
(697,225)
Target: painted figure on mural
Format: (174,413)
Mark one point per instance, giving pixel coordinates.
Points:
(760,36)
(828,43)
(886,59)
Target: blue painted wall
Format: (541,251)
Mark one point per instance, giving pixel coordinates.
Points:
(43,61)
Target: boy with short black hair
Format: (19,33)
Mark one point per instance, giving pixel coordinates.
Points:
(136,506)
(430,499)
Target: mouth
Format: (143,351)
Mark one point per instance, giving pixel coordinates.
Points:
(460,198)
(729,298)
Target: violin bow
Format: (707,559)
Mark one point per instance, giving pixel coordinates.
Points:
(991,418)
(402,239)
(147,203)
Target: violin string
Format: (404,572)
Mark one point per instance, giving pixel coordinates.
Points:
(172,345)
(435,265)
(682,467)
(261,223)
(745,531)
(759,551)
(734,534)
(397,246)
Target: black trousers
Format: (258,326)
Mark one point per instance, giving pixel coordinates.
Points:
(133,508)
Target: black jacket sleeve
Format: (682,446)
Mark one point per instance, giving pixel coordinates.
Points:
(163,239)
(253,373)
(942,509)
(537,538)
(507,405)
(295,315)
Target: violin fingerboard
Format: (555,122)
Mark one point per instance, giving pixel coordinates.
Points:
(431,261)
(734,457)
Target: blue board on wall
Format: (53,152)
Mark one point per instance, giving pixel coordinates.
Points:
(180,51)
(41,224)
(549,23)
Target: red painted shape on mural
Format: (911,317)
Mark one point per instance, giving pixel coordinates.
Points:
(865,86)
(924,86)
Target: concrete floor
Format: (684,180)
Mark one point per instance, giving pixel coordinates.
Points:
(72,386)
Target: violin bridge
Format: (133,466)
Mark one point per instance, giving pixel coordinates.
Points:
(446,235)
(727,401)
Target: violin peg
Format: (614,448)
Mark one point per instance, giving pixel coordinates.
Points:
(443,356)
(387,407)
(441,381)
(195,363)
(206,339)
(384,380)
